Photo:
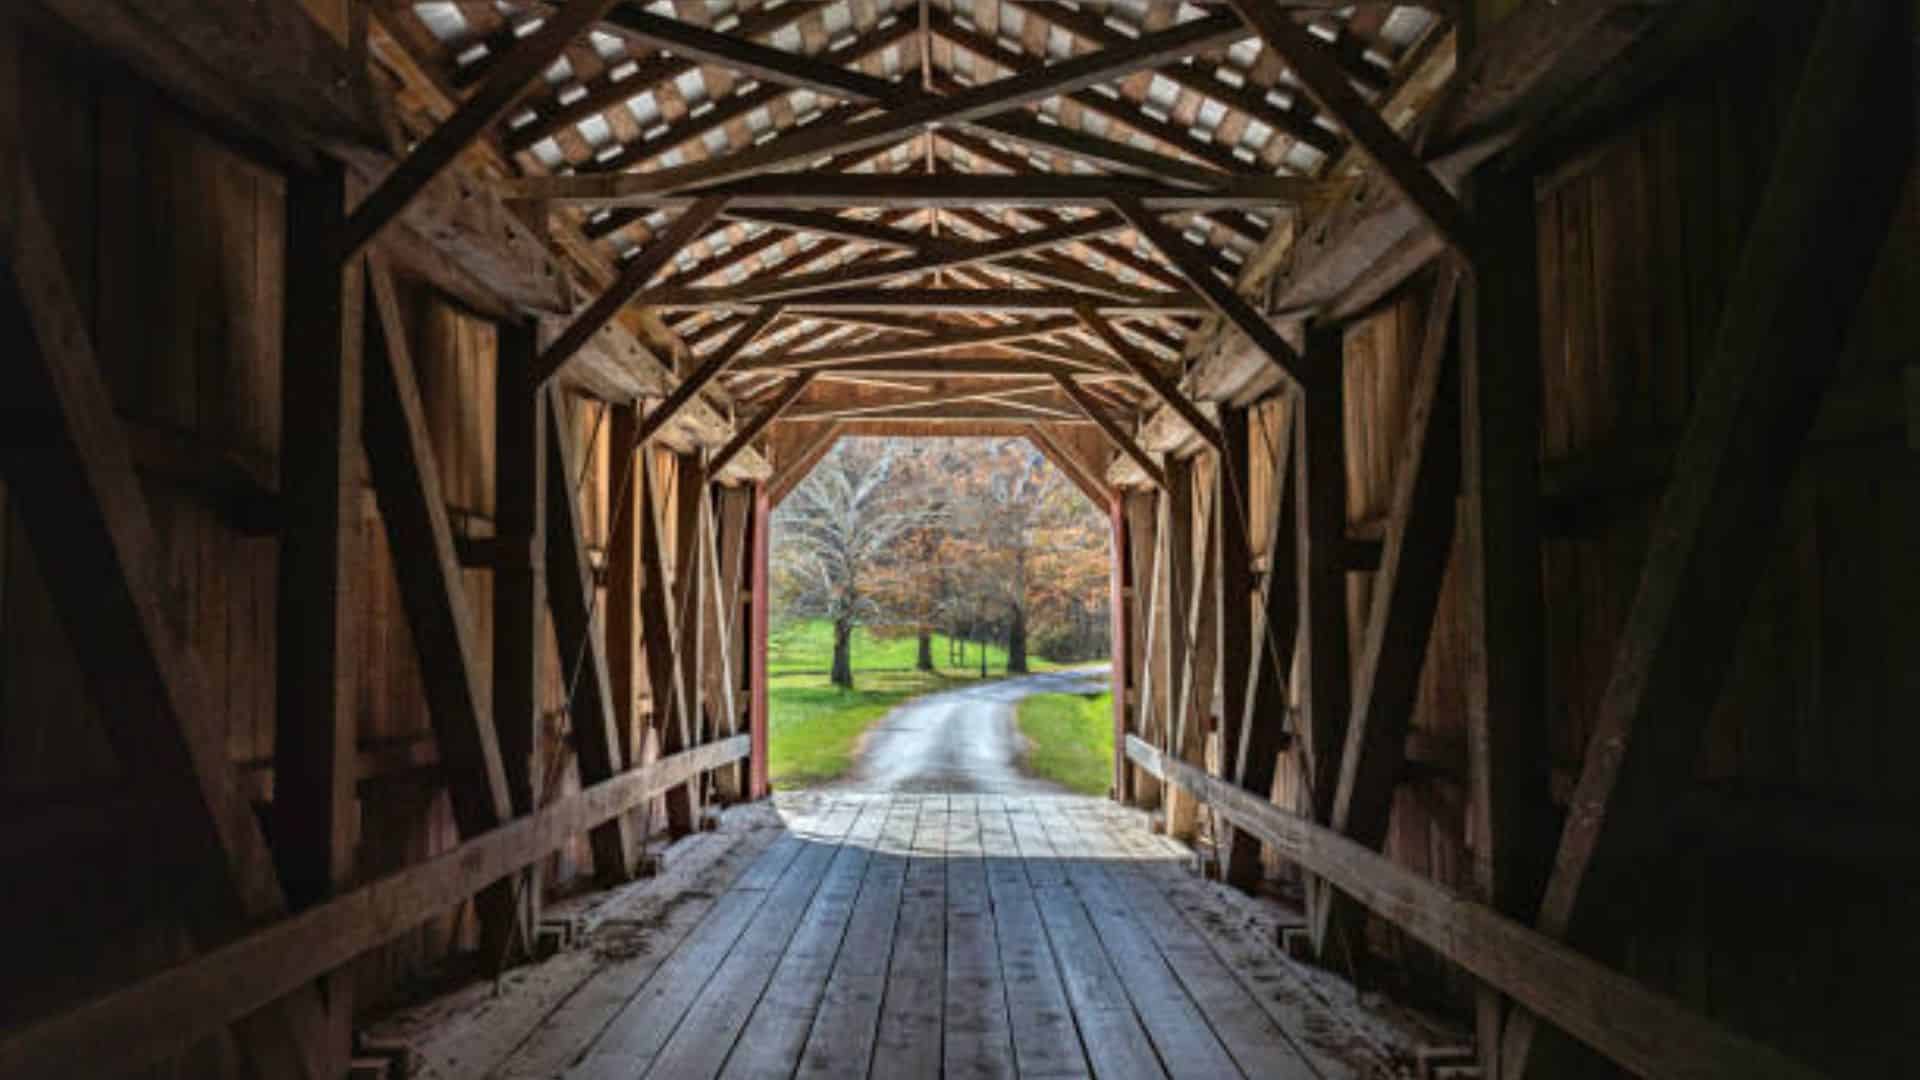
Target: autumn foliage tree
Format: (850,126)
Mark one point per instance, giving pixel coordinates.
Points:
(981,538)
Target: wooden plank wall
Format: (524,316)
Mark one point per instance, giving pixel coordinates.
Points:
(175,242)
(1638,234)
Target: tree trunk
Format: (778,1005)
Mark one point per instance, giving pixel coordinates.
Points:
(983,659)
(843,654)
(924,661)
(1017,643)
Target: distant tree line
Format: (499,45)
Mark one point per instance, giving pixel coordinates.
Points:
(981,540)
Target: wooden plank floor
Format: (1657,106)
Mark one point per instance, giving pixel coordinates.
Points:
(951,935)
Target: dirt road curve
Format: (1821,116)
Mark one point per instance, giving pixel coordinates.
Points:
(961,741)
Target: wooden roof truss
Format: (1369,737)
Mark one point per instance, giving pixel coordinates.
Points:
(918,183)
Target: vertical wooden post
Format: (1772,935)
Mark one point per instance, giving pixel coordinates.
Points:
(727,670)
(1320,488)
(662,636)
(623,576)
(1265,728)
(519,578)
(1234,649)
(759,578)
(1507,751)
(322,563)
(1176,566)
(1119,647)
(320,560)
(691,521)
(1143,555)
(583,659)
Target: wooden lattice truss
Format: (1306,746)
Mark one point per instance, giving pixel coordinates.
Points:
(970,212)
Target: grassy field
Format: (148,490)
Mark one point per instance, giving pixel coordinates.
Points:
(813,725)
(1070,739)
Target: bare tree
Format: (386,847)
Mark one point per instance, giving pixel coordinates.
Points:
(834,531)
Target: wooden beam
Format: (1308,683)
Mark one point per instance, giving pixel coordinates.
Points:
(1199,628)
(1172,611)
(320,562)
(825,224)
(1264,728)
(406,481)
(622,624)
(591,713)
(946,256)
(1647,1032)
(1111,428)
(692,521)
(818,190)
(940,336)
(750,431)
(989,300)
(812,142)
(733,515)
(504,86)
(70,477)
(1149,372)
(759,628)
(162,1014)
(846,83)
(1320,513)
(1406,593)
(1228,303)
(1123,680)
(1844,156)
(661,626)
(1143,553)
(1235,646)
(1510,816)
(1320,75)
(633,277)
(788,474)
(1062,458)
(519,578)
(709,369)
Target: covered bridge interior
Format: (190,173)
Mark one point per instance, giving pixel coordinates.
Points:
(1507,412)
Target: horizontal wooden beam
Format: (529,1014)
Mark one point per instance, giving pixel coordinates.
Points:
(163,1014)
(922,300)
(933,337)
(944,367)
(815,190)
(1647,1032)
(870,272)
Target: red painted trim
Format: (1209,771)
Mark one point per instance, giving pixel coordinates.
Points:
(758,579)
(1118,646)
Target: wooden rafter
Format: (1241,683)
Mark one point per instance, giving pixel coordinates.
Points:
(1121,439)
(816,141)
(503,87)
(1231,306)
(1144,367)
(1322,77)
(751,430)
(633,277)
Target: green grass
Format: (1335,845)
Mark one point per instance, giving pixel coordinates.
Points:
(1070,739)
(814,726)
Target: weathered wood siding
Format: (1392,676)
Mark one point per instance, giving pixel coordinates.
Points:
(175,243)
(1802,942)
